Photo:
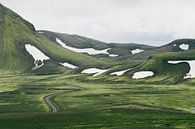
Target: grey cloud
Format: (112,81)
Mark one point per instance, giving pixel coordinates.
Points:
(143,21)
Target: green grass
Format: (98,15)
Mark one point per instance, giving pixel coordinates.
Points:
(115,119)
(92,104)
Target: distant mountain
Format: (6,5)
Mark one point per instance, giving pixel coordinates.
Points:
(175,46)
(115,50)
(123,51)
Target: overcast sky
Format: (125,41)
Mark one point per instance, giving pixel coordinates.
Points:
(153,22)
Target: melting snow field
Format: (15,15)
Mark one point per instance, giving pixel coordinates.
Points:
(94,71)
(142,74)
(68,65)
(136,51)
(90,51)
(184,46)
(37,55)
(119,73)
(191,63)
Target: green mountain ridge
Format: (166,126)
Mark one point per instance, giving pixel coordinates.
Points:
(122,49)
(77,41)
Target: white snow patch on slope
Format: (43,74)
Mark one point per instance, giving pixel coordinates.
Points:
(113,55)
(37,55)
(119,73)
(102,71)
(174,45)
(184,46)
(94,71)
(136,51)
(68,65)
(191,63)
(142,74)
(90,51)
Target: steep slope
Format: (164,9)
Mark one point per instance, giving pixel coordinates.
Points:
(15,33)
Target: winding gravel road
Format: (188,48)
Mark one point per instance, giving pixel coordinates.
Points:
(49,101)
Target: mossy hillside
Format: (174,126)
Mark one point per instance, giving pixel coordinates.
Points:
(77,41)
(165,72)
(17,32)
(174,46)
(159,62)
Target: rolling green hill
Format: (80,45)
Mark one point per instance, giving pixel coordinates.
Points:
(121,49)
(77,41)
(164,71)
(174,46)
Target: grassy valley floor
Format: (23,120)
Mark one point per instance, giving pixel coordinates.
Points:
(61,102)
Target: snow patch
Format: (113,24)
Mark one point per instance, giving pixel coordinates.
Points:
(142,74)
(174,45)
(37,55)
(68,65)
(90,51)
(184,46)
(94,71)
(191,63)
(119,73)
(113,55)
(136,51)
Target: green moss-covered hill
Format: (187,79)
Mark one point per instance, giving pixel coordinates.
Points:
(15,32)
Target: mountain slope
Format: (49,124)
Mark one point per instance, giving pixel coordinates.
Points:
(76,41)
(15,32)
(124,51)
(167,72)
(174,46)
